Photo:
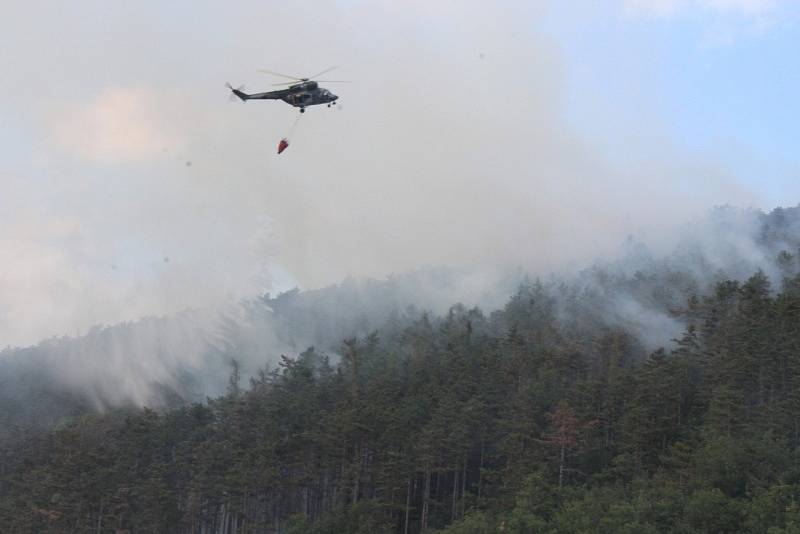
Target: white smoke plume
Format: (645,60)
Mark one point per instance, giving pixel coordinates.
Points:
(134,188)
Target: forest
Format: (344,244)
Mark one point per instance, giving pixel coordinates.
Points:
(543,416)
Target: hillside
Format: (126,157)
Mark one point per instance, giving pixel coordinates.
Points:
(558,412)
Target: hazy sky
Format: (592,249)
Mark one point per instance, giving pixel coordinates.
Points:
(478,134)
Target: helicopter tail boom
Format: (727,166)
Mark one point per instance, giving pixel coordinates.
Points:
(242,96)
(270,95)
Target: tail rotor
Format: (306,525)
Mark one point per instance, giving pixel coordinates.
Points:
(236,92)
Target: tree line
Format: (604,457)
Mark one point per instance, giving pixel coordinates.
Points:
(530,419)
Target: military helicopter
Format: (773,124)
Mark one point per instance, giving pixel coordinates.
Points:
(301,93)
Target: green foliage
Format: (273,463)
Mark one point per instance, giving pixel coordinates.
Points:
(528,421)
(475,522)
(712,511)
(361,518)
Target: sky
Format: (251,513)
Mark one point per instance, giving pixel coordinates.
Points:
(716,75)
(485,135)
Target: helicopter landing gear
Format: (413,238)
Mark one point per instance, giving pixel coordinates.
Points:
(302,110)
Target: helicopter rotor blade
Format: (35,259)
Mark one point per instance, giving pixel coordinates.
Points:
(317,81)
(265,71)
(323,72)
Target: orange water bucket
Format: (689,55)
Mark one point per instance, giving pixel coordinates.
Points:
(282,145)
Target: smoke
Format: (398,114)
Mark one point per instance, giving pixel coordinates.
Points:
(451,150)
(134,188)
(161,361)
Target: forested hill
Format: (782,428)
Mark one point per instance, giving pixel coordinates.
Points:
(169,361)
(554,414)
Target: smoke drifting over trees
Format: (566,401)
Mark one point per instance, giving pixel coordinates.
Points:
(498,323)
(550,414)
(160,362)
(452,150)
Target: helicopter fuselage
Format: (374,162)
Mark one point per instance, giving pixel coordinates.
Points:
(300,95)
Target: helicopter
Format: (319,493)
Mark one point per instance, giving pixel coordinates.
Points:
(301,93)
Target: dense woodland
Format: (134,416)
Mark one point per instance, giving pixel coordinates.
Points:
(541,417)
(520,421)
